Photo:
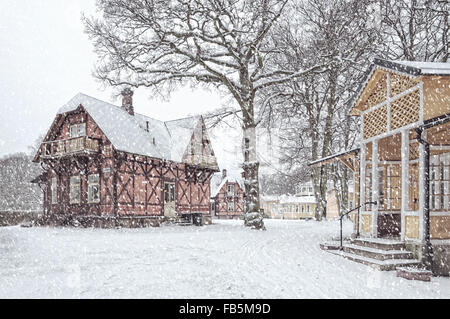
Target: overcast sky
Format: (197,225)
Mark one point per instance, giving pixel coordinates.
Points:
(46,58)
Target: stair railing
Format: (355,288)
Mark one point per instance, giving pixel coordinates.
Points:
(345,214)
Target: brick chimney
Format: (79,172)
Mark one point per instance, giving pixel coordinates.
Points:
(127,100)
(224,173)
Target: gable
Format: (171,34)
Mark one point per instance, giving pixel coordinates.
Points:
(390,78)
(60,128)
(140,134)
(199,150)
(379,85)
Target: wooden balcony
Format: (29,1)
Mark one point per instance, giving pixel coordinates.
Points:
(70,147)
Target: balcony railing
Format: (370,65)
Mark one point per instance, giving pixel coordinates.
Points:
(71,146)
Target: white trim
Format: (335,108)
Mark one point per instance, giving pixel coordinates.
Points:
(389,162)
(421,102)
(375,187)
(374,108)
(405,180)
(406,92)
(396,131)
(54,190)
(394,162)
(362,182)
(421,187)
(440,148)
(389,99)
(412,213)
(388,104)
(439,213)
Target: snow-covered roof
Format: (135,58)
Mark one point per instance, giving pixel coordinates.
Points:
(180,132)
(129,133)
(269,198)
(286,199)
(416,67)
(411,68)
(217,182)
(333,157)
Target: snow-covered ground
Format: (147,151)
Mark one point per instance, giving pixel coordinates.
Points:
(223,260)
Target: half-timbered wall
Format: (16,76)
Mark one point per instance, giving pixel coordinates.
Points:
(130,185)
(222,199)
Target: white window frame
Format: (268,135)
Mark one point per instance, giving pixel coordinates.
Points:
(230,205)
(54,190)
(93,181)
(80,130)
(230,190)
(75,187)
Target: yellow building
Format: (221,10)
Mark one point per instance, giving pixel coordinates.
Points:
(333,211)
(297,207)
(289,206)
(402,165)
(271,206)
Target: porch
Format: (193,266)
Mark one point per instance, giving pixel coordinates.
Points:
(394,172)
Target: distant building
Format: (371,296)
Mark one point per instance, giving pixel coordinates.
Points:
(271,206)
(305,189)
(332,202)
(105,164)
(227,196)
(302,205)
(297,207)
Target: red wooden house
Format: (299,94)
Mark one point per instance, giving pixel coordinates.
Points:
(106,165)
(227,196)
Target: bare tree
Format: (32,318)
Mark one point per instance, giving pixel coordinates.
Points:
(322,32)
(415,30)
(221,43)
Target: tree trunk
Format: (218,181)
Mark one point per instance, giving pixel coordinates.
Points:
(253,215)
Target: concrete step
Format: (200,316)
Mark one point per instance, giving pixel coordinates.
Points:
(375,253)
(184,224)
(414,273)
(379,243)
(389,264)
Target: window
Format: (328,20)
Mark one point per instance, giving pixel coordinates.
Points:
(93,189)
(368,187)
(77,130)
(213,207)
(440,182)
(54,190)
(230,190)
(307,208)
(75,190)
(381,186)
(230,206)
(310,189)
(169,192)
(303,208)
(296,208)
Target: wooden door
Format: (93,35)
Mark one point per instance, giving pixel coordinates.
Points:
(169,199)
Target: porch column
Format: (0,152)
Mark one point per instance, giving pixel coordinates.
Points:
(375,188)
(362,179)
(421,188)
(405,180)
